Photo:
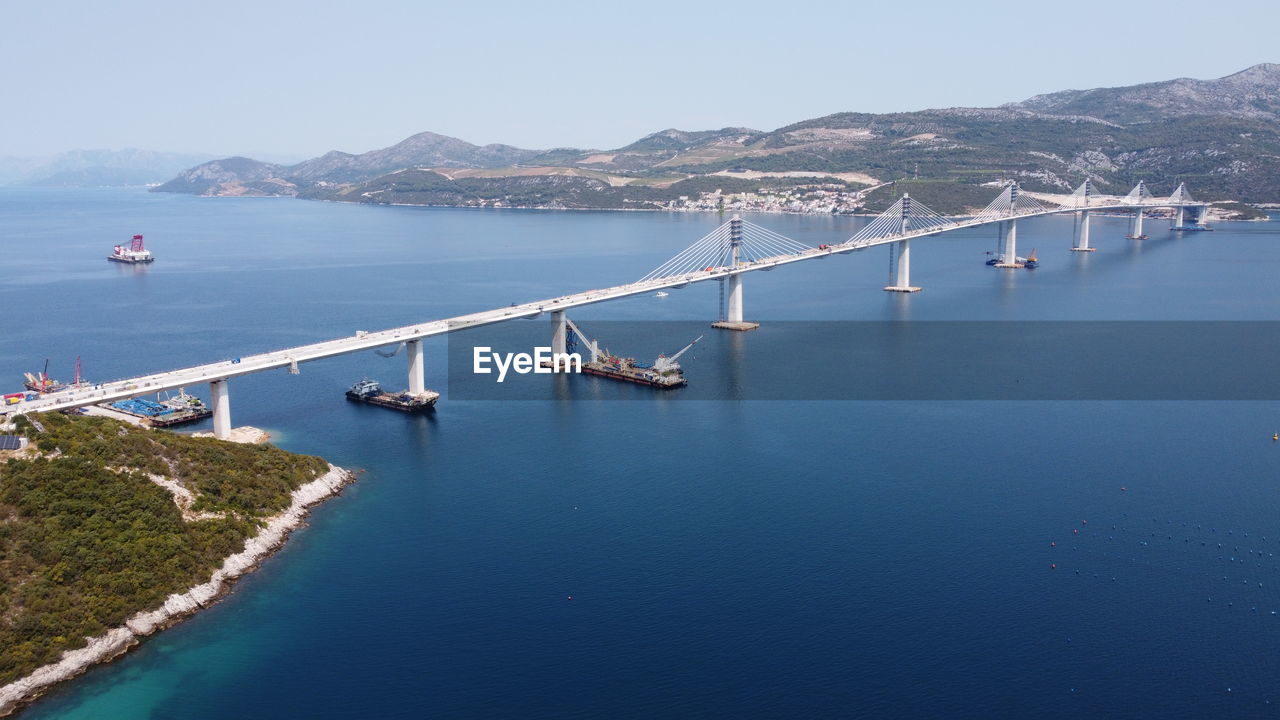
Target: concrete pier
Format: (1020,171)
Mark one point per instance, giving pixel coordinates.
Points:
(1137,227)
(417,368)
(221,398)
(902,280)
(1083,244)
(1010,257)
(559,332)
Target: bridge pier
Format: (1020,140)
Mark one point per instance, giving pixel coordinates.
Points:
(559,332)
(1010,257)
(1137,227)
(1180,218)
(1083,244)
(221,399)
(417,368)
(902,281)
(733,316)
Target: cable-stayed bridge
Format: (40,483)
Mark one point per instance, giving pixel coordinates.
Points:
(725,255)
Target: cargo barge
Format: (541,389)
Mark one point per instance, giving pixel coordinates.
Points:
(369,391)
(664,372)
(628,370)
(178,410)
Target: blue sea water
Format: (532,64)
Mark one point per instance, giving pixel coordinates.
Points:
(682,559)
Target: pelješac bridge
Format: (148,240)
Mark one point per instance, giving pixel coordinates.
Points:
(725,255)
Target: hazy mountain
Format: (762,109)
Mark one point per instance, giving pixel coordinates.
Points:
(241,175)
(1252,93)
(1221,136)
(96,167)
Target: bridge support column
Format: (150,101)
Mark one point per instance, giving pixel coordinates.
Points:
(417,368)
(1010,257)
(1180,218)
(221,409)
(1083,244)
(1137,227)
(902,280)
(559,332)
(733,317)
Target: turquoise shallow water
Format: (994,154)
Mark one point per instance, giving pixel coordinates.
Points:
(724,558)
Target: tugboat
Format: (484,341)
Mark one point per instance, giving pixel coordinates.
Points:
(135,254)
(369,391)
(1031,262)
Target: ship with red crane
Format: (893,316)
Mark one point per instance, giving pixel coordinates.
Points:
(43,384)
(135,254)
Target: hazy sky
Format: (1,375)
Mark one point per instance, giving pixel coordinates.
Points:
(300,78)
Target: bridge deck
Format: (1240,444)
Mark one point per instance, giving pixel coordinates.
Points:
(277,359)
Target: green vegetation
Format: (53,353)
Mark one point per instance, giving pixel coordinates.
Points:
(86,539)
(425,187)
(943,196)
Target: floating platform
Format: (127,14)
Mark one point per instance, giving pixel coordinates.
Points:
(1192,228)
(742,326)
(370,392)
(1136,237)
(907,289)
(628,372)
(132,260)
(1088,249)
(179,411)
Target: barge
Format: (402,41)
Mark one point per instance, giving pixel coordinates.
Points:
(369,391)
(664,372)
(135,254)
(178,410)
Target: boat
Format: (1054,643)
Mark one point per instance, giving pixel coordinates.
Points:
(135,254)
(664,372)
(370,391)
(631,370)
(1031,262)
(177,410)
(662,294)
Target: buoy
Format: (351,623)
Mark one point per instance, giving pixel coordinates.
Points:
(1084,522)
(1275,436)
(1075,531)
(1053,566)
(1053,544)
(1124,489)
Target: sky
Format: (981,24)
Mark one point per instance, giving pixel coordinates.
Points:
(290,80)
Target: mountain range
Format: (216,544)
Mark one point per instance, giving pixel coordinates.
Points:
(1220,136)
(96,168)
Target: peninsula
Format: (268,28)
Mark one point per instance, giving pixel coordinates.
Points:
(110,532)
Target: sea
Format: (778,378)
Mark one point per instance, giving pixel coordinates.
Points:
(633,553)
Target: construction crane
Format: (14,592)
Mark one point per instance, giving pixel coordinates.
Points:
(666,364)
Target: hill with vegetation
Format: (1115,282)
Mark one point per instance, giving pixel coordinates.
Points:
(108,519)
(1219,136)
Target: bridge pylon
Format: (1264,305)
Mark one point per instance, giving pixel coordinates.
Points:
(733,317)
(1010,257)
(902,279)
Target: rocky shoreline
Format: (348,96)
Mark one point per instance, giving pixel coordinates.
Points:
(178,606)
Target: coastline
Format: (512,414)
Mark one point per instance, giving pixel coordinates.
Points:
(178,606)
